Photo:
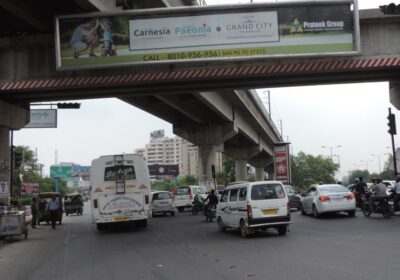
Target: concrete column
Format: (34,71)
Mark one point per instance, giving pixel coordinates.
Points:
(240,170)
(206,158)
(394,93)
(260,174)
(4,158)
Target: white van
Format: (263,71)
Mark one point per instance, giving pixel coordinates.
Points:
(184,195)
(254,205)
(120,190)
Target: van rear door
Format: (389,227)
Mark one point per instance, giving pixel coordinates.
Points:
(268,200)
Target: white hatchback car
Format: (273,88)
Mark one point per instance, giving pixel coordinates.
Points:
(254,205)
(184,195)
(328,199)
(162,202)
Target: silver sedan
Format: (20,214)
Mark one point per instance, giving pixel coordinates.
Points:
(328,199)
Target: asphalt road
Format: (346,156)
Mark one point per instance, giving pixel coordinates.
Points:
(185,247)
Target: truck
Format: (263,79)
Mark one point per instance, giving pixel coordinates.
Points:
(120,190)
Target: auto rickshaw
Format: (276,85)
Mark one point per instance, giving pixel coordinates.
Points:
(73,203)
(43,213)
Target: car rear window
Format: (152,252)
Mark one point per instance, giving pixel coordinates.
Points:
(267,191)
(182,191)
(332,189)
(161,196)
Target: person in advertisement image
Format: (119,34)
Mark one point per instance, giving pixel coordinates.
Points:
(85,38)
(108,46)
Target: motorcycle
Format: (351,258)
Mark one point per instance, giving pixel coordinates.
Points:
(380,205)
(210,212)
(197,207)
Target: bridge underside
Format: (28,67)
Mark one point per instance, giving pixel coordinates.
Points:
(127,83)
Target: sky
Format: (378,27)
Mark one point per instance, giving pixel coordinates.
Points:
(353,116)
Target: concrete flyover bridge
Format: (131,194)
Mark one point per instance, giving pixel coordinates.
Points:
(233,120)
(208,103)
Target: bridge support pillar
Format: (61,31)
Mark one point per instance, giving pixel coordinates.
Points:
(240,170)
(206,137)
(394,91)
(259,164)
(11,118)
(206,158)
(241,156)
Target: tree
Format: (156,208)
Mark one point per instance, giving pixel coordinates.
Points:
(187,180)
(162,185)
(308,169)
(355,174)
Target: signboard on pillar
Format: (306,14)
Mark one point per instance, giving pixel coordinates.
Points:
(4,192)
(282,163)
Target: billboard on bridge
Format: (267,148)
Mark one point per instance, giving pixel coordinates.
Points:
(235,32)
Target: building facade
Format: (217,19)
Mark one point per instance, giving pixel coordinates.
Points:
(175,150)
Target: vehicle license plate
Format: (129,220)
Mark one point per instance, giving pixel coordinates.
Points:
(270,212)
(121,218)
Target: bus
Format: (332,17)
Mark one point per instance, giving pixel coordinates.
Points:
(120,190)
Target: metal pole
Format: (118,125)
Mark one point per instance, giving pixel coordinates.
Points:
(11,162)
(269,104)
(393,150)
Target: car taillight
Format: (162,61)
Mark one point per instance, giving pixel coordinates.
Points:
(95,203)
(249,211)
(190,194)
(324,198)
(288,207)
(351,197)
(146,199)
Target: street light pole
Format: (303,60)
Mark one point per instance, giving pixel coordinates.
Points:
(331,148)
(379,161)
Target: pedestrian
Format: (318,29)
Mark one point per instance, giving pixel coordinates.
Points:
(396,194)
(34,210)
(53,206)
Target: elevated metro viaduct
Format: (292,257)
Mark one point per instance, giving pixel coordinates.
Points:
(28,75)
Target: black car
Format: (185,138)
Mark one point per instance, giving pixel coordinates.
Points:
(294,197)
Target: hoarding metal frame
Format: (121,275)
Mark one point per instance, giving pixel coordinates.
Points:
(206,10)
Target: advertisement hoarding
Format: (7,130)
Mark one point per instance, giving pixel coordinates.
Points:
(164,170)
(4,190)
(282,163)
(302,28)
(29,188)
(42,118)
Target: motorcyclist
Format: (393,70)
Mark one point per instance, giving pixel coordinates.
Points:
(396,194)
(359,190)
(197,201)
(378,190)
(212,200)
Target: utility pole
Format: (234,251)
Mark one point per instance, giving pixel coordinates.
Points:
(392,131)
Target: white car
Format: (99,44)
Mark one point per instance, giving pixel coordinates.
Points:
(184,196)
(162,202)
(328,199)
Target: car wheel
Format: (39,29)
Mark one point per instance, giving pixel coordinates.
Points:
(100,227)
(221,226)
(386,212)
(302,210)
(172,213)
(282,230)
(180,209)
(315,212)
(244,232)
(66,214)
(352,213)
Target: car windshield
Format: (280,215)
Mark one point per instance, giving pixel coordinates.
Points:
(182,191)
(267,191)
(161,196)
(332,189)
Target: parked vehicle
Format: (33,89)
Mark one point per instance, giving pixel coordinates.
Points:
(249,206)
(162,202)
(120,190)
(43,213)
(380,205)
(328,199)
(294,197)
(73,204)
(184,195)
